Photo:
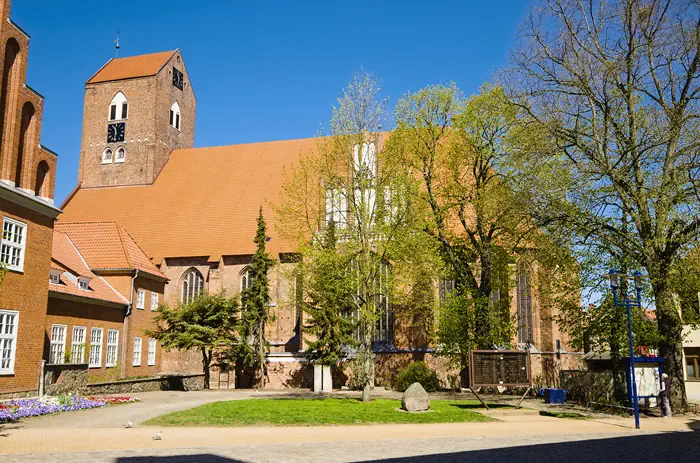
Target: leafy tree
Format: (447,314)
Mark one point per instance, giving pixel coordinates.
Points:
(206,323)
(327,289)
(255,306)
(614,86)
(460,151)
(351,180)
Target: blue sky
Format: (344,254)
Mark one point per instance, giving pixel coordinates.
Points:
(261,70)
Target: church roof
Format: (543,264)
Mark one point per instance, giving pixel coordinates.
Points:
(66,258)
(107,245)
(131,67)
(204,202)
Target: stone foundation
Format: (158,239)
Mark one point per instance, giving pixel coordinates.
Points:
(18,394)
(166,383)
(65,378)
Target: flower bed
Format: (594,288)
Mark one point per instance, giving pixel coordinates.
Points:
(14,410)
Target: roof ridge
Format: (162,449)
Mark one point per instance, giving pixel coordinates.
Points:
(121,240)
(82,259)
(86,222)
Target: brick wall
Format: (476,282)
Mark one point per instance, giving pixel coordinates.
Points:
(26,293)
(138,322)
(149,137)
(90,315)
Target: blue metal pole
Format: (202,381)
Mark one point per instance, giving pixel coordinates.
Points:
(634,376)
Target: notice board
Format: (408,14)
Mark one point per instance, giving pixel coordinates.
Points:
(493,368)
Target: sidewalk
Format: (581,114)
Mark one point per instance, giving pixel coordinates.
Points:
(19,439)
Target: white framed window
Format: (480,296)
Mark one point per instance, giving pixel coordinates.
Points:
(58,344)
(151,352)
(140,299)
(121,155)
(9,323)
(245,279)
(112,347)
(77,345)
(336,207)
(84,284)
(137,352)
(96,347)
(365,159)
(107,156)
(55,277)
(119,107)
(12,244)
(192,285)
(154,301)
(175,115)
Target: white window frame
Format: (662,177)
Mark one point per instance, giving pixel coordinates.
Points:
(151,352)
(117,159)
(8,341)
(136,360)
(155,300)
(57,349)
(55,277)
(118,100)
(96,348)
(112,348)
(336,207)
(245,279)
(175,116)
(83,284)
(140,299)
(105,159)
(77,348)
(10,248)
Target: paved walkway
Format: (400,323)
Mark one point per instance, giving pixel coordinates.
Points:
(98,436)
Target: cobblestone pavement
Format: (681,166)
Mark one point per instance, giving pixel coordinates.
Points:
(574,448)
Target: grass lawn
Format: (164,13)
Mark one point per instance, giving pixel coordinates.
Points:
(309,412)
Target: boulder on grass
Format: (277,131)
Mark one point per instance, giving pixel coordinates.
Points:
(415,399)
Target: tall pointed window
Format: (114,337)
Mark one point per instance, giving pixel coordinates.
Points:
(365,159)
(336,207)
(192,285)
(524,287)
(245,279)
(175,115)
(119,107)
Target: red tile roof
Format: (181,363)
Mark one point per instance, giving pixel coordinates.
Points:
(108,246)
(204,202)
(66,257)
(132,66)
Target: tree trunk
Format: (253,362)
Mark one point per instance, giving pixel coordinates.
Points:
(670,346)
(206,363)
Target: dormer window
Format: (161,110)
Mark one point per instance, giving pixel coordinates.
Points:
(84,283)
(55,277)
(107,156)
(175,115)
(119,108)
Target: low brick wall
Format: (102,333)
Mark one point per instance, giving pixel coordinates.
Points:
(165,383)
(65,378)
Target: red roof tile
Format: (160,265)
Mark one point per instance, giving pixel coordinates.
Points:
(132,66)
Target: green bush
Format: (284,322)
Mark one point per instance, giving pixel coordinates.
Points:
(417,372)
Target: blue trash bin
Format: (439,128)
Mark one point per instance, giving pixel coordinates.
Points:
(554,396)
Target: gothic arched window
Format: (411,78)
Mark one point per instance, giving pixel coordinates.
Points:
(107,156)
(175,115)
(119,107)
(192,285)
(523,278)
(245,279)
(121,155)
(41,185)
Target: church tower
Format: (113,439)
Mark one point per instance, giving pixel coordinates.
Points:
(137,110)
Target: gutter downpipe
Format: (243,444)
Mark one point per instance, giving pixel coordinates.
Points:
(126,316)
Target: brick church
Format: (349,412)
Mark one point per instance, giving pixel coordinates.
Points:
(193,210)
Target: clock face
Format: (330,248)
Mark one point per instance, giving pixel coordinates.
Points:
(116,132)
(178,78)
